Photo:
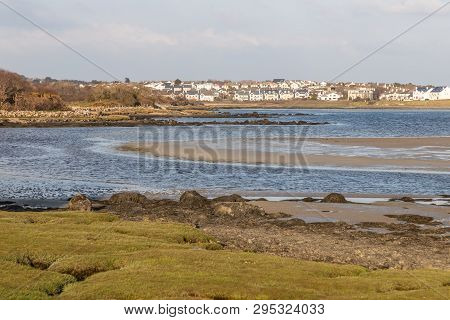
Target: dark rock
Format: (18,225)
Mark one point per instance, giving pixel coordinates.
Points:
(127,197)
(295,222)
(4,203)
(80,203)
(260,199)
(309,199)
(238,209)
(404,199)
(411,218)
(232,198)
(334,198)
(193,200)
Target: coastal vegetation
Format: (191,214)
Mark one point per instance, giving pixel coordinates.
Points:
(18,93)
(83,255)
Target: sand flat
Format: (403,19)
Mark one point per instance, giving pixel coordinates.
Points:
(354,213)
(220,153)
(406,142)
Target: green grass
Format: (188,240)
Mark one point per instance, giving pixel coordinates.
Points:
(98,256)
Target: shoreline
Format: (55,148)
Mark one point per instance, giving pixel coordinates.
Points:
(392,234)
(163,116)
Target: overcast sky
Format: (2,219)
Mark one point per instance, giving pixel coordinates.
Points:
(232,39)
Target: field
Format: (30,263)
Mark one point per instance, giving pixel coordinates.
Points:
(72,255)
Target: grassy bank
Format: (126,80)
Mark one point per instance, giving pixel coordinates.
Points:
(69,255)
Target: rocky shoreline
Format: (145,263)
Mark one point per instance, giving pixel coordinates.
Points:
(412,242)
(149,122)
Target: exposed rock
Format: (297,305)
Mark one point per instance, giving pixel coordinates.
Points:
(127,197)
(407,199)
(232,198)
(295,222)
(260,199)
(80,203)
(334,198)
(411,218)
(404,199)
(309,199)
(193,200)
(238,209)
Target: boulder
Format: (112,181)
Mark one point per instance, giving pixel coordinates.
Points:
(237,209)
(309,199)
(232,198)
(80,202)
(407,199)
(193,200)
(404,199)
(334,198)
(127,197)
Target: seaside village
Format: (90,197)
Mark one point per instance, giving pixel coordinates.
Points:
(283,90)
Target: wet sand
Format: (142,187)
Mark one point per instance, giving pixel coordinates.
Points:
(232,152)
(409,142)
(355,213)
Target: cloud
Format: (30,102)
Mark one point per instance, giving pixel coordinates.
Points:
(126,36)
(404,6)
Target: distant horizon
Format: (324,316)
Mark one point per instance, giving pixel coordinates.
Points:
(227,80)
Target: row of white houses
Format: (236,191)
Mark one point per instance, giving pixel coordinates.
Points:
(200,95)
(270,95)
(419,94)
(431,93)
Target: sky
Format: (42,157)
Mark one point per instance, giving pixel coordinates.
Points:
(227,40)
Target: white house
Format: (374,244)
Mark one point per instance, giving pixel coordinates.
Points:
(178,89)
(361,93)
(156,86)
(396,96)
(256,95)
(187,87)
(329,96)
(284,85)
(286,95)
(422,93)
(241,96)
(294,85)
(206,96)
(192,95)
(301,94)
(204,86)
(271,95)
(440,93)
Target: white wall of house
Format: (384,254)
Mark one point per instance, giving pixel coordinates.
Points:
(206,97)
(445,94)
(271,96)
(286,95)
(256,96)
(241,96)
(301,95)
(333,96)
(421,95)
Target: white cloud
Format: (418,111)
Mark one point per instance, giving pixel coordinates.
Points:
(125,36)
(404,6)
